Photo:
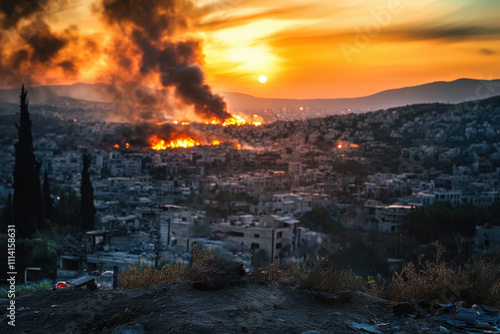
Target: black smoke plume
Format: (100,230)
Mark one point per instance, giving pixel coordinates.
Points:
(177,62)
(144,40)
(138,135)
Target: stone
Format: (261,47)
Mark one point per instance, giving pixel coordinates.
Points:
(136,329)
(406,308)
(443,329)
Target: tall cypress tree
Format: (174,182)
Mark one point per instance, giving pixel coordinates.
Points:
(6,218)
(87,211)
(27,202)
(48,203)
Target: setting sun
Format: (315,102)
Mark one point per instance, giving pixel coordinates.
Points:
(262,78)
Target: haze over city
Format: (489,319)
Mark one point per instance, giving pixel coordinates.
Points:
(250,166)
(306,49)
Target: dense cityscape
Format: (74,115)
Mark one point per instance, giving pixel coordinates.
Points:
(276,167)
(286,189)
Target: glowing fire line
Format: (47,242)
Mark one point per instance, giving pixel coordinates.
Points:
(181,142)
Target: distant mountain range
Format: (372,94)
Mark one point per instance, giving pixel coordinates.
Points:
(444,92)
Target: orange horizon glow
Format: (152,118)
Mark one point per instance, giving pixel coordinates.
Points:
(306,48)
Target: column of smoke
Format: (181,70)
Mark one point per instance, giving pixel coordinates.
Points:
(145,46)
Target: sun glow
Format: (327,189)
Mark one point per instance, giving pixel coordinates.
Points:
(262,79)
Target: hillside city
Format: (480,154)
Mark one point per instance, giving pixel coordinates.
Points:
(347,186)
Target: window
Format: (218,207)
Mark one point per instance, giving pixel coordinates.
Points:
(278,245)
(235,234)
(256,235)
(279,234)
(255,245)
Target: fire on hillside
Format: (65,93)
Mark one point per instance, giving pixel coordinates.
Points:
(162,136)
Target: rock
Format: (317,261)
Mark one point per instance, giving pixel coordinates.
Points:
(366,328)
(341,297)
(406,308)
(311,332)
(136,329)
(443,329)
(428,306)
(217,274)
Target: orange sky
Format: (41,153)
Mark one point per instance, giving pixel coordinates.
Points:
(324,49)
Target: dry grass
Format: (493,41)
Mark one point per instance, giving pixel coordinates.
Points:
(142,275)
(322,277)
(278,272)
(483,281)
(206,264)
(478,281)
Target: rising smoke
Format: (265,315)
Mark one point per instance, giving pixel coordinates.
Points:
(137,135)
(144,45)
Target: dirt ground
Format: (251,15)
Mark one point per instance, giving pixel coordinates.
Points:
(246,307)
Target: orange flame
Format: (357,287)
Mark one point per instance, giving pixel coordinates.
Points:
(215,142)
(181,142)
(234,120)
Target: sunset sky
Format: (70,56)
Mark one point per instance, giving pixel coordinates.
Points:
(308,48)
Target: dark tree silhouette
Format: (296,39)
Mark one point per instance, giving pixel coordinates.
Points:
(6,218)
(48,203)
(27,202)
(87,209)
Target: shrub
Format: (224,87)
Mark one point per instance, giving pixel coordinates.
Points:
(141,275)
(478,281)
(206,263)
(321,277)
(278,272)
(483,281)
